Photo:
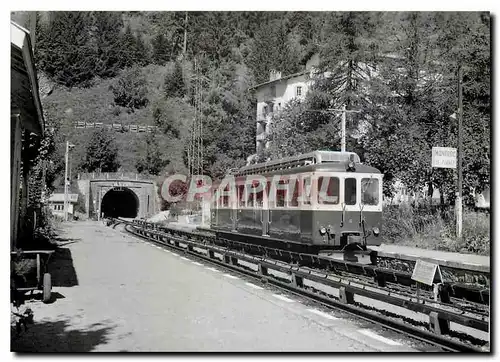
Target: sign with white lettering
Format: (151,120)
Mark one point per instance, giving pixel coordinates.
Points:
(427,273)
(444,157)
(122,184)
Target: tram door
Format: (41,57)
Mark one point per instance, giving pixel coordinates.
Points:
(265,222)
(237,204)
(215,212)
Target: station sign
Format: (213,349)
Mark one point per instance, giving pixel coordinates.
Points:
(444,157)
(122,184)
(427,273)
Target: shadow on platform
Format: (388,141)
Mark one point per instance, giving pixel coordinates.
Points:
(38,295)
(62,270)
(52,336)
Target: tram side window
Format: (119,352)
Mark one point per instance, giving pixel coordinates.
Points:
(281,194)
(329,190)
(250,196)
(306,191)
(221,200)
(370,191)
(255,199)
(241,195)
(224,197)
(225,200)
(350,191)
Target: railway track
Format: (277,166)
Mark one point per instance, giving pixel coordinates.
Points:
(476,296)
(304,281)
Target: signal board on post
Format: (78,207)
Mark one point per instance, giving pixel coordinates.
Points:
(444,157)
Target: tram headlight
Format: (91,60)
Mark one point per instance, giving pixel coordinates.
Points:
(376,231)
(322,230)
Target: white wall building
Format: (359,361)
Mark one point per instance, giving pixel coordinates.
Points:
(56,204)
(273,95)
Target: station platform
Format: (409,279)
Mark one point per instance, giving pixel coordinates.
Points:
(473,262)
(115,292)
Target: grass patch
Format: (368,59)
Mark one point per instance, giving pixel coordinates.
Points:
(433,228)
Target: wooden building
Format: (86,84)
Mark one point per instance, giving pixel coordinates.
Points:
(25,115)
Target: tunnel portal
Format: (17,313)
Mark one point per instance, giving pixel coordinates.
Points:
(120,202)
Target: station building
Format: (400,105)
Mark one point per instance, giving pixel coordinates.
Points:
(56,204)
(26,121)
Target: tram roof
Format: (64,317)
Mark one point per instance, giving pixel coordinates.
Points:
(313,161)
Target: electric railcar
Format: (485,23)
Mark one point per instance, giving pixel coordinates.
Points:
(348,219)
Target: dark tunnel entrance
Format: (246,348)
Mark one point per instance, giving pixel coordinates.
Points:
(120,202)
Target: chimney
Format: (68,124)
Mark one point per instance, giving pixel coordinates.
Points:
(274,75)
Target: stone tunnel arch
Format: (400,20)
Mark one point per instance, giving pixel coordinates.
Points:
(120,202)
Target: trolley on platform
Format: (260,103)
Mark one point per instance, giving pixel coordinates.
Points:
(33,279)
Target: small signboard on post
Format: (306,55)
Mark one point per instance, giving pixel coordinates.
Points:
(427,273)
(444,157)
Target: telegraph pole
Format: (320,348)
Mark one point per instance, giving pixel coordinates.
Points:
(459,154)
(343,123)
(67,171)
(342,142)
(66,182)
(185,36)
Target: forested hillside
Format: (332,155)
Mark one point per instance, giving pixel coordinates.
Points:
(139,68)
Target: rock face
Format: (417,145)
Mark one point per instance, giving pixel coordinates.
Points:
(45,86)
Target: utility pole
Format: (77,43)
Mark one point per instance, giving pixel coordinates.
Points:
(342,142)
(185,36)
(66,179)
(66,182)
(343,123)
(459,154)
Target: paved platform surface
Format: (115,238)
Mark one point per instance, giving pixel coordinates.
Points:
(118,293)
(456,260)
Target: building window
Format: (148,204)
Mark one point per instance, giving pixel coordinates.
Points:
(298,91)
(264,110)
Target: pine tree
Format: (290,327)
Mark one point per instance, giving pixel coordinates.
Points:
(107,27)
(160,50)
(152,162)
(141,51)
(102,153)
(174,83)
(66,54)
(130,89)
(350,47)
(128,45)
(283,59)
(261,57)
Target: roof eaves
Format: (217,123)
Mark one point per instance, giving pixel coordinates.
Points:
(280,79)
(20,37)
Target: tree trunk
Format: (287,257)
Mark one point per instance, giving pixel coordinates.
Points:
(185,36)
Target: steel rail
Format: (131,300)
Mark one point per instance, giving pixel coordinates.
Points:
(229,261)
(381,275)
